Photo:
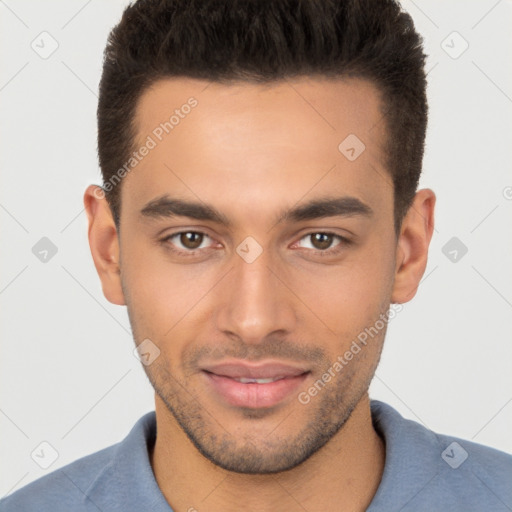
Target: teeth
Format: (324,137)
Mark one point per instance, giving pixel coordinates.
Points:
(244,380)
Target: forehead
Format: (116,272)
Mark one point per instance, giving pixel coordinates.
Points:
(330,108)
(243,144)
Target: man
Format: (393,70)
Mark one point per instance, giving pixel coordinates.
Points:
(259,215)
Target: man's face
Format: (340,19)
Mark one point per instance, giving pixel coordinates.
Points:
(220,311)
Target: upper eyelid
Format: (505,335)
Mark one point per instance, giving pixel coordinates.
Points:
(172,235)
(342,240)
(329,233)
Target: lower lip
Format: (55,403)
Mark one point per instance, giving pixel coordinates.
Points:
(252,394)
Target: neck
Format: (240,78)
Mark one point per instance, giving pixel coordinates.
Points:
(343,475)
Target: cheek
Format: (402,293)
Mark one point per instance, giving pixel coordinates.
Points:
(350,296)
(161,294)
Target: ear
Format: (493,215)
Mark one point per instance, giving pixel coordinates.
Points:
(412,248)
(104,243)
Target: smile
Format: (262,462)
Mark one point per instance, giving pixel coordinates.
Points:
(240,384)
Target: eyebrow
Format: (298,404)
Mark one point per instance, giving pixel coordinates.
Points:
(167,207)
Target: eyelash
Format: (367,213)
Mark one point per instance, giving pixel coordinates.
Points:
(330,251)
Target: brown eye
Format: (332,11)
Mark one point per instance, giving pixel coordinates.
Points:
(188,243)
(191,239)
(321,241)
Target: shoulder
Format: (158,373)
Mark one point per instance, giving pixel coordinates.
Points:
(425,470)
(473,474)
(116,478)
(64,489)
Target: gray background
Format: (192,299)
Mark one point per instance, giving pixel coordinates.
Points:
(68,374)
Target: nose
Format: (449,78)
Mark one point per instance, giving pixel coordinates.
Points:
(257,304)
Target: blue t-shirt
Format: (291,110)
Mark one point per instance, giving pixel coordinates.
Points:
(423,472)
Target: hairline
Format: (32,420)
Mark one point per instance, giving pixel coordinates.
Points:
(240,80)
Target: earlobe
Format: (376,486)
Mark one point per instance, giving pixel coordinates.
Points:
(104,244)
(412,249)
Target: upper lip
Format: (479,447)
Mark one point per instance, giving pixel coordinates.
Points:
(268,370)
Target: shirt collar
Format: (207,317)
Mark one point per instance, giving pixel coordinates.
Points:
(413,457)
(410,465)
(128,483)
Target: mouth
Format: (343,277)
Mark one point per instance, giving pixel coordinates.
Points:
(254,386)
(246,380)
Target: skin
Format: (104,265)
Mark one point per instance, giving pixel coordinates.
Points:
(252,152)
